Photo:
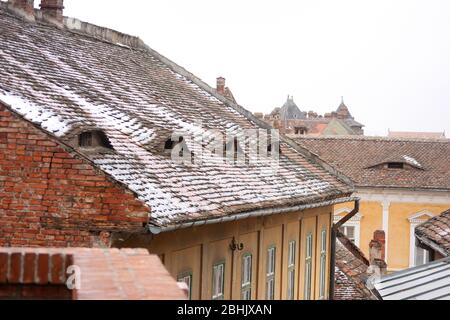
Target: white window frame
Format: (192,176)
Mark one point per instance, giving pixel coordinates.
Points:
(270,272)
(415,220)
(308,267)
(186,278)
(218,293)
(246,280)
(292,255)
(353,222)
(323,263)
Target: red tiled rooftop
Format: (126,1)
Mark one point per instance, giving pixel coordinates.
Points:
(106,274)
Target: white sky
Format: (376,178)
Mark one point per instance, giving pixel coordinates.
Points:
(390,59)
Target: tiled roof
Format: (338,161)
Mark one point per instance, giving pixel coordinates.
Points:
(436,232)
(291,111)
(417,135)
(362,158)
(104,274)
(351,272)
(67,81)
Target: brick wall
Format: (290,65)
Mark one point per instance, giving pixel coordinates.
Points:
(51,196)
(103,274)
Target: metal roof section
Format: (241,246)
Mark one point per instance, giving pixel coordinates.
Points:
(427,282)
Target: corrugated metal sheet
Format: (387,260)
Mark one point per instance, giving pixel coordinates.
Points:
(427,282)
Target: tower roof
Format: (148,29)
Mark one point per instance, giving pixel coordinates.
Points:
(290,111)
(343,111)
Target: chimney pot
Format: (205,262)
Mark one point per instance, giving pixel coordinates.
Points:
(24,8)
(220,87)
(53,9)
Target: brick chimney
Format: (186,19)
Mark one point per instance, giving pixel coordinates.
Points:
(24,8)
(53,9)
(377,253)
(220,87)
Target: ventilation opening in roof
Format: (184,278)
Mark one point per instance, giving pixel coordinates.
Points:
(94,139)
(395,165)
(170,144)
(232,150)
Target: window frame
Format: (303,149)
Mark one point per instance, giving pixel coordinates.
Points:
(323,263)
(220,295)
(415,220)
(86,139)
(354,222)
(292,256)
(308,266)
(270,276)
(246,287)
(183,275)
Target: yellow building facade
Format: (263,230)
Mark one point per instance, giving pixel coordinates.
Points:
(280,257)
(397,212)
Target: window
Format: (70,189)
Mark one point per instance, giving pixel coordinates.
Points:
(301,131)
(308,266)
(291,270)
(218,281)
(421,256)
(352,228)
(187,279)
(417,255)
(270,273)
(323,264)
(349,232)
(85,139)
(246,282)
(94,139)
(395,165)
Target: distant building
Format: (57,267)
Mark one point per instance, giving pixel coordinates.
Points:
(401,183)
(416,135)
(290,120)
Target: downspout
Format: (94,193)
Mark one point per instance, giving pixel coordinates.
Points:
(334,231)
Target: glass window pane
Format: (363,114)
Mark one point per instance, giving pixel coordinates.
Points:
(218,281)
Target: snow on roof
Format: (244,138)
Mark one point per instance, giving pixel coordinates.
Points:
(68,82)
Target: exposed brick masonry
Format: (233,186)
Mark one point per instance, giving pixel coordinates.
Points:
(51,196)
(104,274)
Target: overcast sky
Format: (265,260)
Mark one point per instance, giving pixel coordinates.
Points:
(390,59)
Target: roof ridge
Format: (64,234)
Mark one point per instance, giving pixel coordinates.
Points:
(374,138)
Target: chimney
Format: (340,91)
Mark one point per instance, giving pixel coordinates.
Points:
(53,10)
(377,253)
(24,8)
(220,87)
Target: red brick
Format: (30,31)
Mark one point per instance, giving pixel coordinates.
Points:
(57,269)
(4,257)
(29,268)
(15,268)
(43,268)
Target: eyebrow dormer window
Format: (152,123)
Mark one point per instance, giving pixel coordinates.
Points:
(94,139)
(396,165)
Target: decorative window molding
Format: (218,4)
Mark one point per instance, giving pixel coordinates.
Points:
(417,253)
(354,223)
